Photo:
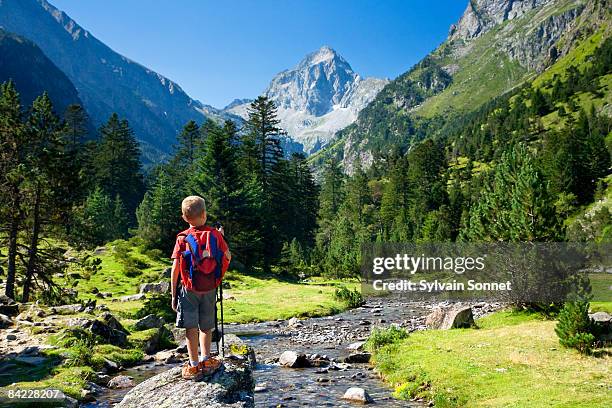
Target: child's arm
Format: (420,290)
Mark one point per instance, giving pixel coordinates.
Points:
(173,282)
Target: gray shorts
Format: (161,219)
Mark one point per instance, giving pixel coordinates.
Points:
(195,311)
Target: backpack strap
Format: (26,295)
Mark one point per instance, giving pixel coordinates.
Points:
(216,253)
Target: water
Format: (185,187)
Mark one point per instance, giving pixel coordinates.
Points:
(287,387)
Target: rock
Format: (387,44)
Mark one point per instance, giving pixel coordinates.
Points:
(230,386)
(150,341)
(108,328)
(5,321)
(70,402)
(102,379)
(110,367)
(8,306)
(167,356)
(111,321)
(294,322)
(450,318)
(226,285)
(31,360)
(357,394)
(358,345)
(11,337)
(68,309)
(261,387)
(160,287)
(178,335)
(131,298)
(359,358)
(227,296)
(121,381)
(601,317)
(149,322)
(293,360)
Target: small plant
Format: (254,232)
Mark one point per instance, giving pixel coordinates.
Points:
(575,327)
(382,337)
(353,298)
(78,354)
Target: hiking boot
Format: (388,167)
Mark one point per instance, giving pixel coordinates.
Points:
(209,366)
(191,373)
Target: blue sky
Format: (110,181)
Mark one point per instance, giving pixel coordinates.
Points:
(221,50)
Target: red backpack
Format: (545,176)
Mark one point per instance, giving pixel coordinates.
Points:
(202,263)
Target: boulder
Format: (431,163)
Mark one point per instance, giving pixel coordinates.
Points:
(357,394)
(167,357)
(8,306)
(151,340)
(601,318)
(294,322)
(450,318)
(108,328)
(293,360)
(149,322)
(5,321)
(230,386)
(121,381)
(160,287)
(68,309)
(359,358)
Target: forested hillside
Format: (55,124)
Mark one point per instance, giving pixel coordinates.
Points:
(494,48)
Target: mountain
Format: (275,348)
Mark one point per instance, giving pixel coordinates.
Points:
(318,97)
(495,46)
(33,73)
(106,81)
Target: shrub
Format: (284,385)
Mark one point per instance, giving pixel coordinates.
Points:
(353,298)
(574,328)
(158,304)
(382,337)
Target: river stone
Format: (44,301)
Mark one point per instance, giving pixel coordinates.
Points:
(293,360)
(357,394)
(358,345)
(160,287)
(359,358)
(230,386)
(450,318)
(68,309)
(149,322)
(121,381)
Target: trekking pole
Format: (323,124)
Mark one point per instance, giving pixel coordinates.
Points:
(216,334)
(222,325)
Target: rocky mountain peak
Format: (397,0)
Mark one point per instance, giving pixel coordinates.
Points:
(318,83)
(482,15)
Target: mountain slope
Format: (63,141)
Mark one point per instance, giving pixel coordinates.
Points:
(318,97)
(106,81)
(495,46)
(33,73)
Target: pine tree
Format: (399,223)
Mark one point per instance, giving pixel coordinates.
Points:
(44,180)
(117,165)
(159,214)
(96,224)
(189,145)
(574,326)
(13,141)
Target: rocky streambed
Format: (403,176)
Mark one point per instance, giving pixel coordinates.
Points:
(310,362)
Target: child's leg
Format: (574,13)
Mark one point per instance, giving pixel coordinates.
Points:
(205,343)
(191,337)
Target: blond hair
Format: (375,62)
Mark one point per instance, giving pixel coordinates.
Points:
(193,206)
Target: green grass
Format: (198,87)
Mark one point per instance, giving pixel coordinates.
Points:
(70,380)
(512,360)
(258,299)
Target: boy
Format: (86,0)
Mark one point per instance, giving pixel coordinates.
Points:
(196,309)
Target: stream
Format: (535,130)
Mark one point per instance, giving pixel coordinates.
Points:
(326,336)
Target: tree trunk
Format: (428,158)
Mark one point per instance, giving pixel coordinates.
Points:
(9,289)
(33,252)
